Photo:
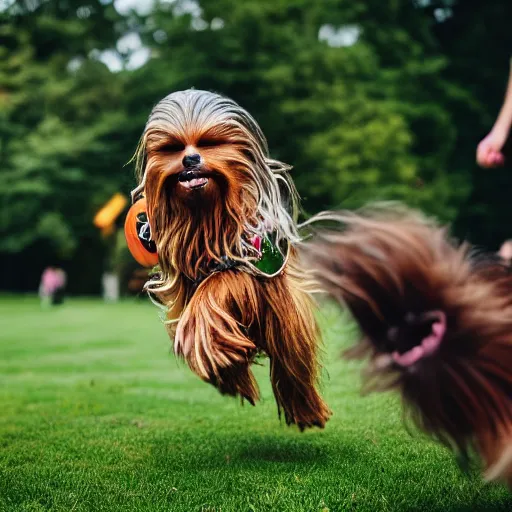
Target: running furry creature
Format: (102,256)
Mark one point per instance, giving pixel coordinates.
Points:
(436,320)
(221,218)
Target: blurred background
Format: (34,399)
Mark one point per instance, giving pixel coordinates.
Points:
(367,99)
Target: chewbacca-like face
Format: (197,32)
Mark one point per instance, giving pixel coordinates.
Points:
(202,151)
(192,167)
(209,183)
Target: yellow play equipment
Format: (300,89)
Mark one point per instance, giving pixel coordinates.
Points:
(107,215)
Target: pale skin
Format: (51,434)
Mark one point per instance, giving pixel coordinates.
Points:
(489,152)
(506,251)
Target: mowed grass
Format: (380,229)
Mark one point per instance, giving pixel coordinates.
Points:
(96,414)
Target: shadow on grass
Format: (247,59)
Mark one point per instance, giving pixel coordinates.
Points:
(243,451)
(470,506)
(269,449)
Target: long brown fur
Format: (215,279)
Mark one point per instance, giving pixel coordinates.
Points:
(233,316)
(397,273)
(220,321)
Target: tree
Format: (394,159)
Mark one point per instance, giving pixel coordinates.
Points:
(368,100)
(61,132)
(476,38)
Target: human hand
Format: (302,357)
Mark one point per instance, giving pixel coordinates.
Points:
(488,153)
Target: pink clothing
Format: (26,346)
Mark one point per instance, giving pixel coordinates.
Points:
(51,280)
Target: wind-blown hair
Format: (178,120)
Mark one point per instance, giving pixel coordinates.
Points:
(185,113)
(220,320)
(436,319)
(268,191)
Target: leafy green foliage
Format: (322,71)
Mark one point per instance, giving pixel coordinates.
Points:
(367,100)
(55,127)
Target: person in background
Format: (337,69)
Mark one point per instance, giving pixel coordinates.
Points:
(53,284)
(489,152)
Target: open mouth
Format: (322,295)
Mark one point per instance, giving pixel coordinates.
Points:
(428,328)
(192,179)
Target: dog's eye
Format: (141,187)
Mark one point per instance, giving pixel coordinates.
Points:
(173,147)
(209,143)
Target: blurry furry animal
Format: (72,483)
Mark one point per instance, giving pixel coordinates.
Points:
(222,216)
(436,320)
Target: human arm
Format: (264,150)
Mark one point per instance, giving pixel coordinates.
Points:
(489,151)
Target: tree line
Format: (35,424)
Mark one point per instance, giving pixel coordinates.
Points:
(367,100)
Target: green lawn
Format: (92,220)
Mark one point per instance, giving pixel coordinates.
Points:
(96,414)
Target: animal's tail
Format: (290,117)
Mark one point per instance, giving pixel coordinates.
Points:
(436,320)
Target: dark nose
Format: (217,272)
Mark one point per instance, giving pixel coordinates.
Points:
(191,160)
